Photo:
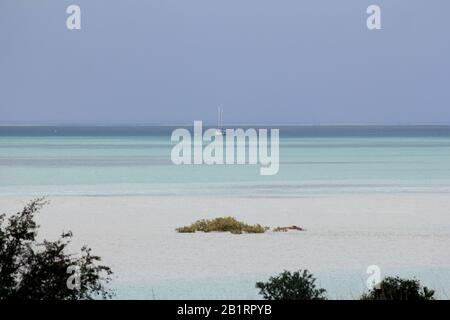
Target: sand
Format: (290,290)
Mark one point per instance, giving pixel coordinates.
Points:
(405,234)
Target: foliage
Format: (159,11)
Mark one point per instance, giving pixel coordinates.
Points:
(226,224)
(298,285)
(395,288)
(40,270)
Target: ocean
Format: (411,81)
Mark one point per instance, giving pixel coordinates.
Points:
(366,195)
(136,161)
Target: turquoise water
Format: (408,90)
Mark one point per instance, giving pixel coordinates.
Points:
(339,284)
(150,260)
(134,161)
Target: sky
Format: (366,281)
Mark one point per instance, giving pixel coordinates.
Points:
(264,61)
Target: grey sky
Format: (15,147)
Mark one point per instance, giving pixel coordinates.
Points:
(266,61)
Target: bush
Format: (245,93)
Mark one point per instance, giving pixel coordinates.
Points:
(227,224)
(395,288)
(42,270)
(299,285)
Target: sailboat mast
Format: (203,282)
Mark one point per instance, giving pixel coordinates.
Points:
(219,117)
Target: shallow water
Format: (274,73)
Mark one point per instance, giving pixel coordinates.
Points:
(367,195)
(403,234)
(132,161)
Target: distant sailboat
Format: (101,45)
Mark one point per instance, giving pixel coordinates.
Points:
(220,131)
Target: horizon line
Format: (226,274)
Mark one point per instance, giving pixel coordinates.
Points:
(211,124)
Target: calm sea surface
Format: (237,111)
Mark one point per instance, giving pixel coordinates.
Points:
(150,260)
(136,160)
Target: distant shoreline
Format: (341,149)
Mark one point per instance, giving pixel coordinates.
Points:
(207,123)
(286,130)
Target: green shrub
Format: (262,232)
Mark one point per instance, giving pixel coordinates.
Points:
(257,228)
(225,224)
(299,285)
(186,229)
(31,269)
(395,288)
